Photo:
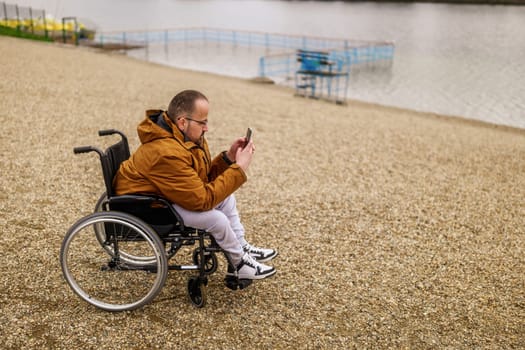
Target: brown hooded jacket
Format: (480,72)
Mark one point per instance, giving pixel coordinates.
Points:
(178,170)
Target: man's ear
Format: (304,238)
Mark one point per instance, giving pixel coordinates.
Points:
(181,122)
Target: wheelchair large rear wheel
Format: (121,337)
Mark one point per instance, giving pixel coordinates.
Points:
(109,281)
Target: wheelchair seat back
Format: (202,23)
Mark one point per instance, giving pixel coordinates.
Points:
(113,157)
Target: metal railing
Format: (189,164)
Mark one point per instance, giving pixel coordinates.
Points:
(345,52)
(233,37)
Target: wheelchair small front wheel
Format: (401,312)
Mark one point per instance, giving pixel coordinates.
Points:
(107,281)
(210,261)
(197,291)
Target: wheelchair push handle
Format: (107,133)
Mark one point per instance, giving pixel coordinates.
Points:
(87,149)
(107,132)
(83,149)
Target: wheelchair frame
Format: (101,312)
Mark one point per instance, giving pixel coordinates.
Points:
(133,237)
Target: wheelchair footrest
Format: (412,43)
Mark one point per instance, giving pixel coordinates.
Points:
(234,283)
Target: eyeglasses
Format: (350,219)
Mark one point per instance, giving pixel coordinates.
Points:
(200,122)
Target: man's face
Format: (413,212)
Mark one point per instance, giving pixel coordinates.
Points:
(196,124)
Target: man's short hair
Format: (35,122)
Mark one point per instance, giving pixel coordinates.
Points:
(184,103)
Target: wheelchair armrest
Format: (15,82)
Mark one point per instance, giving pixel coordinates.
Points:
(154,210)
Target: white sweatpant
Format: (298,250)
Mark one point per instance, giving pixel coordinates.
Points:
(223,223)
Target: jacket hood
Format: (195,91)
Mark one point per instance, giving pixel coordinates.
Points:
(156,126)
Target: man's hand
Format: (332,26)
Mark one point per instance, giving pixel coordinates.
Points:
(232,153)
(244,155)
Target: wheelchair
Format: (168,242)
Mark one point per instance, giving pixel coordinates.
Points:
(118,257)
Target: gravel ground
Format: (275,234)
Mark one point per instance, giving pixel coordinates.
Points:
(396,229)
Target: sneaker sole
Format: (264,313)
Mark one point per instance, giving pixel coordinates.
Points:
(259,277)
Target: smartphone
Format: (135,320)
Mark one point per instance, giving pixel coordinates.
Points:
(248,136)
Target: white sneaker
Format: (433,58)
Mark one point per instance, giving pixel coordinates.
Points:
(260,254)
(250,269)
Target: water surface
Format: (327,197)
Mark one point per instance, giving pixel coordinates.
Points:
(461,60)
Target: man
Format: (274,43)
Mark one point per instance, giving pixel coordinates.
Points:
(174,161)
